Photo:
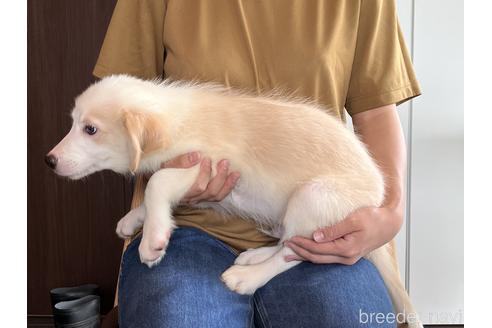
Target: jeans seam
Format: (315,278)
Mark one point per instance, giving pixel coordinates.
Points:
(261,311)
(225,246)
(122,276)
(217,241)
(252,313)
(123,262)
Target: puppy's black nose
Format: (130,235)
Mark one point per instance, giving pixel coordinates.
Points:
(51,161)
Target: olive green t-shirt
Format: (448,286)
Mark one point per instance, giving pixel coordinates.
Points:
(343,54)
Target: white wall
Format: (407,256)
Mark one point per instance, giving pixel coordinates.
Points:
(405,17)
(436,176)
(430,244)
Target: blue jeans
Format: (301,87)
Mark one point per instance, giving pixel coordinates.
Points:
(184,290)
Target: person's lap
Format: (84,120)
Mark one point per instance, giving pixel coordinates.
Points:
(185,290)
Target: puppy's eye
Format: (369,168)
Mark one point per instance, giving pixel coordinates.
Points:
(90,129)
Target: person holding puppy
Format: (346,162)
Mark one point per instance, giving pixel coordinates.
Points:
(346,55)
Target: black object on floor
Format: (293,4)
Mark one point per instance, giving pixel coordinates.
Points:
(80,313)
(77,306)
(72,293)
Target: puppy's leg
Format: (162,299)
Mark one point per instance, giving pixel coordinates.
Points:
(246,279)
(256,255)
(321,203)
(308,208)
(330,206)
(131,222)
(164,189)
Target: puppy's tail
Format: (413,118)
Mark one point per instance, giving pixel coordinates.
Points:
(383,260)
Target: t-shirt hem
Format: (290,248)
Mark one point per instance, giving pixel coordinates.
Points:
(100,71)
(396,96)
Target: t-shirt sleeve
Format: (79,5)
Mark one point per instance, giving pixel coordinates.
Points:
(133,43)
(382,71)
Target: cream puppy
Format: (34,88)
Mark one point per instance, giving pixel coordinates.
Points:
(301,169)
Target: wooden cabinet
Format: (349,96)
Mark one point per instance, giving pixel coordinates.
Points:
(71,237)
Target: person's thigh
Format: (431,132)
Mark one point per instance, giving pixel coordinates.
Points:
(185,289)
(324,295)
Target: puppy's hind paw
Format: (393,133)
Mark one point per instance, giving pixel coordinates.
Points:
(241,279)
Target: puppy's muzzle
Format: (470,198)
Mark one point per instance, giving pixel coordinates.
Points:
(51,161)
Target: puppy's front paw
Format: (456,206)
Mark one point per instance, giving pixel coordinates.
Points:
(151,259)
(130,223)
(242,279)
(125,230)
(152,250)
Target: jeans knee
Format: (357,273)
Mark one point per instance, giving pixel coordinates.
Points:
(184,290)
(370,304)
(330,295)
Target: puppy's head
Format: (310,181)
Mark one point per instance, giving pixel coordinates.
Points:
(114,126)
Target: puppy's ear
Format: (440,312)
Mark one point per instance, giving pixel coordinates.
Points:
(146,133)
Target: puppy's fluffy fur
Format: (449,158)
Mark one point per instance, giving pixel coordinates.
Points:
(301,169)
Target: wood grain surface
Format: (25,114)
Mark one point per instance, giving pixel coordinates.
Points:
(71,238)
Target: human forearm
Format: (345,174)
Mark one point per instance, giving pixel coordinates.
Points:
(381,131)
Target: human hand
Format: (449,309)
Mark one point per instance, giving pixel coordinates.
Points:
(346,242)
(205,187)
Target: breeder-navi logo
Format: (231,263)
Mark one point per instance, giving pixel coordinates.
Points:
(379,317)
